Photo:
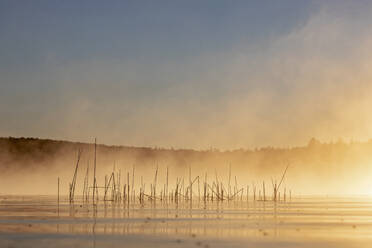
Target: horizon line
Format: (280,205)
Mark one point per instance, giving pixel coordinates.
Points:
(213,149)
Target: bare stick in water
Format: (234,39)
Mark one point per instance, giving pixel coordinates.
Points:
(95,162)
(58,195)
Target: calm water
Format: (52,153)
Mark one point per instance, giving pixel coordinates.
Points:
(37,221)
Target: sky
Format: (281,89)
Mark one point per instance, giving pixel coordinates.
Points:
(186,74)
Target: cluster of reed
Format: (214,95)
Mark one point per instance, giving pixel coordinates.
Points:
(118,190)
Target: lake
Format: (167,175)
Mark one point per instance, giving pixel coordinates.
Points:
(39,221)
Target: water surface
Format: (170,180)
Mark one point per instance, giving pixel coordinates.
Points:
(39,221)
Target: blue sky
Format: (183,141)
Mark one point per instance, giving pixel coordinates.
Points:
(193,74)
(124,30)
